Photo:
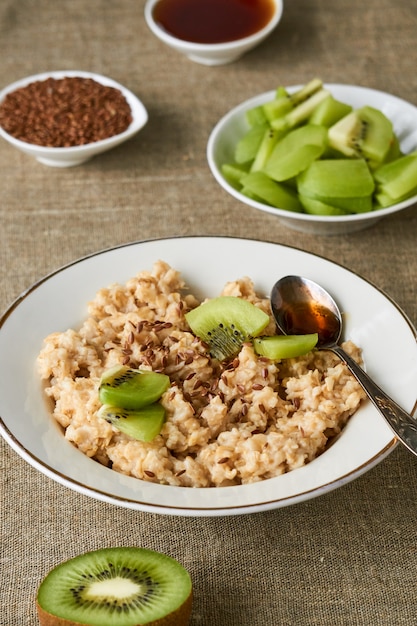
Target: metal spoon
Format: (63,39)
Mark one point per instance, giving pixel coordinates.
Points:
(300,306)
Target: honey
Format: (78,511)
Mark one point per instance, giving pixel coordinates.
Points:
(307,317)
(213,21)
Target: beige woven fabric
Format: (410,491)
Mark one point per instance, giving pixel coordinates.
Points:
(348,558)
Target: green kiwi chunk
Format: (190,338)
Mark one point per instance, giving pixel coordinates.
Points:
(121,586)
(306,91)
(266,146)
(398,178)
(336,178)
(296,151)
(383,200)
(129,388)
(141,424)
(318,207)
(233,173)
(261,187)
(225,323)
(248,146)
(255,116)
(300,113)
(329,111)
(285,346)
(365,133)
(277,108)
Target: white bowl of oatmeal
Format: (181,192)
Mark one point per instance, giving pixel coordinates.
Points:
(64,118)
(183,470)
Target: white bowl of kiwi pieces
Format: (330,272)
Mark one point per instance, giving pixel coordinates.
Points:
(325,159)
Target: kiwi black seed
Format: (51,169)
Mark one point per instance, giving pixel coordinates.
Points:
(225,323)
(124,586)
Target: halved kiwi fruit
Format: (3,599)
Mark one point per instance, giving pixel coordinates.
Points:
(225,323)
(131,388)
(123,586)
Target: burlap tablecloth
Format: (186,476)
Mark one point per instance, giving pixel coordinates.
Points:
(347,558)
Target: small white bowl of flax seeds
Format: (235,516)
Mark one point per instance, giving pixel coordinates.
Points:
(64,118)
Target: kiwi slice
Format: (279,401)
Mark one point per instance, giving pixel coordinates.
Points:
(336,178)
(318,207)
(300,113)
(129,388)
(225,323)
(398,178)
(266,146)
(277,108)
(365,133)
(255,116)
(296,151)
(285,346)
(259,186)
(248,146)
(306,91)
(142,424)
(233,173)
(124,586)
(329,111)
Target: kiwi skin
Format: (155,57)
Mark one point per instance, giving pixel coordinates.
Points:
(180,616)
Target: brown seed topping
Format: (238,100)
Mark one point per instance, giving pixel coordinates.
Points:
(257,387)
(149,473)
(223,460)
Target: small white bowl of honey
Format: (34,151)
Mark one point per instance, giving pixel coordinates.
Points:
(213,32)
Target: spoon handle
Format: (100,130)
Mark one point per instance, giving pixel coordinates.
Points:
(403,424)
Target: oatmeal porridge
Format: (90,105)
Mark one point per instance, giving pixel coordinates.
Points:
(227,423)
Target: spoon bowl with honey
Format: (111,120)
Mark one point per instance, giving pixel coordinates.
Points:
(301,306)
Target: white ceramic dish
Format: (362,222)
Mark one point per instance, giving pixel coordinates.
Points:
(385,334)
(75,155)
(227,132)
(212,54)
